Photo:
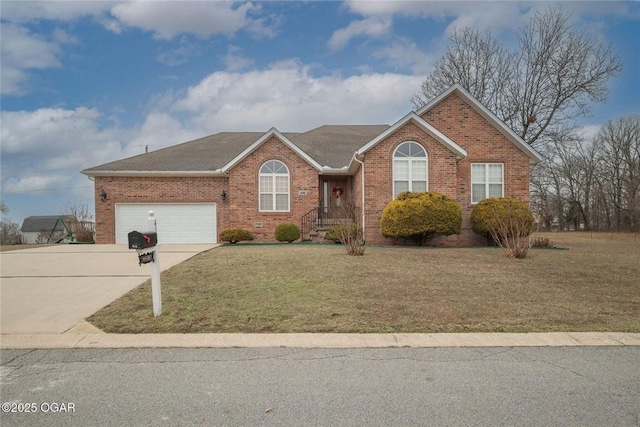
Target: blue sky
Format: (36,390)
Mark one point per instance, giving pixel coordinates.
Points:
(87,82)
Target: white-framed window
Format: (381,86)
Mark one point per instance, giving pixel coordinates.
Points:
(487,180)
(410,168)
(274,187)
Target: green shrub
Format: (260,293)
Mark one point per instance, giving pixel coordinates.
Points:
(287,232)
(488,212)
(234,235)
(421,216)
(506,221)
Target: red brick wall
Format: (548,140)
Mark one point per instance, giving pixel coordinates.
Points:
(483,143)
(121,189)
(243,190)
(240,210)
(379,177)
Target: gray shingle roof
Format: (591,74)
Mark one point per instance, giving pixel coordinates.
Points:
(204,154)
(331,146)
(334,145)
(43,223)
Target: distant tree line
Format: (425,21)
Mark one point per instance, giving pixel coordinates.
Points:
(591,184)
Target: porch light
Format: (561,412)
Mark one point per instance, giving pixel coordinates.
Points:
(103,195)
(223,195)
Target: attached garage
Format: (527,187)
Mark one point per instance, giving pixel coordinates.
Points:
(176,222)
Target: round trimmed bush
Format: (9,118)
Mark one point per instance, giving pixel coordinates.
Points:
(287,232)
(502,216)
(421,216)
(233,235)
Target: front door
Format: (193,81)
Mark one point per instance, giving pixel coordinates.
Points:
(335,194)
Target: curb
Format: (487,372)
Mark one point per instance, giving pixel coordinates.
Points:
(85,340)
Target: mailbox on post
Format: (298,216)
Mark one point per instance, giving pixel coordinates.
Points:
(140,242)
(144,240)
(146,245)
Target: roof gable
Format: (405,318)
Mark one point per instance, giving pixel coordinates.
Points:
(413,117)
(261,140)
(534,156)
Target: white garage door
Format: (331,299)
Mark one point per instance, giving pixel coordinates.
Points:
(177,223)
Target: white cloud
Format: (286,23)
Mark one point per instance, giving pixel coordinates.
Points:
(165,19)
(496,16)
(204,18)
(27,11)
(289,97)
(47,147)
(60,36)
(405,53)
(110,24)
(588,132)
(21,50)
(375,27)
(45,130)
(159,130)
(235,61)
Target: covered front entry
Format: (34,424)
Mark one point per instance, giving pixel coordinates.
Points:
(177,222)
(335,193)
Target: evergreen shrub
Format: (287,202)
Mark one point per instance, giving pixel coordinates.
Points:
(287,232)
(233,235)
(508,222)
(421,216)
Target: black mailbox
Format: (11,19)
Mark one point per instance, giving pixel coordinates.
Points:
(146,239)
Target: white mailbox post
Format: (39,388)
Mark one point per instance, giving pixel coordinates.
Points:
(156,289)
(147,247)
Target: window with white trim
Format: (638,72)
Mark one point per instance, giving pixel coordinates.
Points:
(274,187)
(409,168)
(487,180)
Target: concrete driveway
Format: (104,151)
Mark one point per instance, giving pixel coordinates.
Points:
(52,289)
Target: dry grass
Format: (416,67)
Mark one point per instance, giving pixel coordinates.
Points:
(593,286)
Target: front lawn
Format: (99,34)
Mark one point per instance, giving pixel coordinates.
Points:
(592,286)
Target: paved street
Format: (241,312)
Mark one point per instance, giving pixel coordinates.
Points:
(500,386)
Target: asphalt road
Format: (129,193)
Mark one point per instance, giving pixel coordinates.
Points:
(528,386)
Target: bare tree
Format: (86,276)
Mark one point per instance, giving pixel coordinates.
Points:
(82,224)
(620,171)
(479,63)
(573,167)
(549,79)
(10,233)
(9,230)
(592,184)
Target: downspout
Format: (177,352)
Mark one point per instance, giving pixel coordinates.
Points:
(355,157)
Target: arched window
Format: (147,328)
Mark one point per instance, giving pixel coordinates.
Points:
(274,187)
(409,168)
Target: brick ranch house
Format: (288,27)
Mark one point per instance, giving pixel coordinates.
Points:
(249,180)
